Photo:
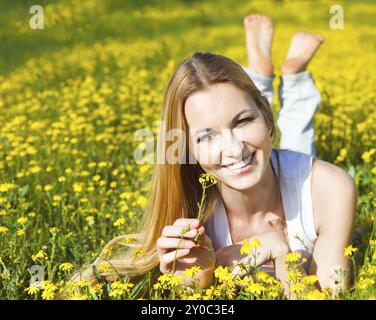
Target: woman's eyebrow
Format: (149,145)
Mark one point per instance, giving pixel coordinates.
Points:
(239,114)
(234,120)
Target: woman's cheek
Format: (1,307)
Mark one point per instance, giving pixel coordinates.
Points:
(256,134)
(209,155)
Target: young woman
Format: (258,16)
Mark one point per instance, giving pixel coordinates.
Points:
(287,199)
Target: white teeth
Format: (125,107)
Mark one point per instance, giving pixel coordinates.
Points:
(240,164)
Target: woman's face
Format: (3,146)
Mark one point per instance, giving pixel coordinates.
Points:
(228,135)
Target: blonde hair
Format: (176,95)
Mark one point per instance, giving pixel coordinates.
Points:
(178,182)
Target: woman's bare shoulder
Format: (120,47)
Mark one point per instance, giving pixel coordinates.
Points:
(332,188)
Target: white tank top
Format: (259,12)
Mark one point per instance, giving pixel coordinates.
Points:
(295,185)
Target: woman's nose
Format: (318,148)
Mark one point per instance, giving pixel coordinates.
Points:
(231,145)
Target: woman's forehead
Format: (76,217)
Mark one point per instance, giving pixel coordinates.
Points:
(218,104)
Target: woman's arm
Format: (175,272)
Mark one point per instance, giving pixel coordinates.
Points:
(334,203)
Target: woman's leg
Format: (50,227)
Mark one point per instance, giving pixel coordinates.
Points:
(259,32)
(299,98)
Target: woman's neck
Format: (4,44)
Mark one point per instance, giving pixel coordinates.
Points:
(254,202)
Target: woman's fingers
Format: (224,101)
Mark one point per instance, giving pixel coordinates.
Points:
(169,257)
(176,231)
(172,243)
(195,223)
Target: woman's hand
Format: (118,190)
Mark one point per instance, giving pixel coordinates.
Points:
(189,254)
(274,244)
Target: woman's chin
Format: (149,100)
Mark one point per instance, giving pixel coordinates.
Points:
(242,182)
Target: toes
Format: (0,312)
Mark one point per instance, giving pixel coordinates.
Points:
(267,21)
(319,37)
(249,19)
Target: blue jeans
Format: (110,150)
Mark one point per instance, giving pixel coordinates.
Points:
(299,100)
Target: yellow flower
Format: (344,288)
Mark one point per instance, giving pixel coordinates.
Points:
(115,293)
(54,230)
(293,257)
(3,229)
(223,274)
(79,296)
(314,295)
(206,178)
(168,280)
(367,156)
(119,222)
(294,275)
(5,187)
(265,277)
(56,198)
(61,179)
(310,280)
(66,266)
(138,252)
(349,251)
(22,220)
(48,187)
(342,155)
(90,220)
(297,287)
(39,255)
(365,283)
(32,289)
(192,271)
(20,232)
(105,267)
(129,240)
(248,246)
(255,288)
(78,187)
(48,294)
(125,195)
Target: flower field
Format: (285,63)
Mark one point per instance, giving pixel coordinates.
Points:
(72,96)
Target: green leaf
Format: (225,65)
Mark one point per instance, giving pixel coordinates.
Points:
(23,190)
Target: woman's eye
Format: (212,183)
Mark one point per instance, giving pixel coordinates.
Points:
(244,120)
(203,138)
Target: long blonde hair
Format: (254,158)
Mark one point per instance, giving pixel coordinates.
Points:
(175,188)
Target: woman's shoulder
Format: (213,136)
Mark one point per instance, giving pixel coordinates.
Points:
(332,188)
(326,176)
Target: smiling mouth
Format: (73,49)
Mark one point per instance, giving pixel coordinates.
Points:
(241,164)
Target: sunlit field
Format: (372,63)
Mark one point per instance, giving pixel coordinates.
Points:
(72,96)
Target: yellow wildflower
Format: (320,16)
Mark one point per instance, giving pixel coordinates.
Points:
(294,275)
(293,257)
(20,232)
(223,274)
(349,251)
(3,229)
(119,222)
(192,271)
(33,289)
(314,295)
(48,187)
(5,187)
(248,246)
(22,220)
(66,266)
(39,255)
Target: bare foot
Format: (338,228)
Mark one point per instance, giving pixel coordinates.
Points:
(302,49)
(259,32)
